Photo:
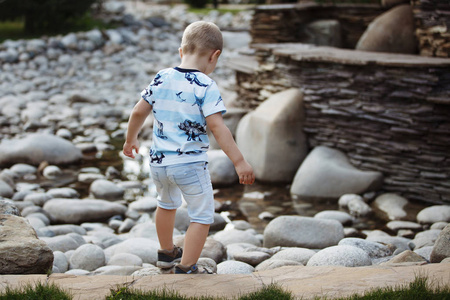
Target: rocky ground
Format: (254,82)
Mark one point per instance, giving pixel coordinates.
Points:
(66,99)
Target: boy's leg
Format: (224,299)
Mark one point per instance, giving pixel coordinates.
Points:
(165,222)
(193,243)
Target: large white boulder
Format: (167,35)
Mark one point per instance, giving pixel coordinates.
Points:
(392,32)
(327,174)
(21,252)
(271,137)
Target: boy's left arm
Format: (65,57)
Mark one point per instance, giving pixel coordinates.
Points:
(226,141)
(140,112)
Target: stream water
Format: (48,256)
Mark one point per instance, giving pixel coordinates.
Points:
(257,203)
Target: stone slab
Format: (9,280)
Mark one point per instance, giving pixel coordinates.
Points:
(306,282)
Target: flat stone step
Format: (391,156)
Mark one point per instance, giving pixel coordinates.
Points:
(306,282)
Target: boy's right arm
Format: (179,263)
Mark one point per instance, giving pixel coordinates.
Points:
(140,112)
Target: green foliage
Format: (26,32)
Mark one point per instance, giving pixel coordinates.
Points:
(196,3)
(38,291)
(205,11)
(44,15)
(269,292)
(419,289)
(125,293)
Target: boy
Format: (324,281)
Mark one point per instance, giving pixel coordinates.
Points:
(184,100)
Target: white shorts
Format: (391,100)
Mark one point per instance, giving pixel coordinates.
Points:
(193,181)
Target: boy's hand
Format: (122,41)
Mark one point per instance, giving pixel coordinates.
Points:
(245,172)
(129,146)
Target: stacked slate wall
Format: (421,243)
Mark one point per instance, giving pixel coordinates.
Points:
(282,23)
(432,19)
(389,113)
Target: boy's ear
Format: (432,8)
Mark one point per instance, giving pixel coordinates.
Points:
(180,50)
(216,54)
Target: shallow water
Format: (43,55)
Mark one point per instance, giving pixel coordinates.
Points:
(257,203)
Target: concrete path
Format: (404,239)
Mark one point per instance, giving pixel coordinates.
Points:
(303,282)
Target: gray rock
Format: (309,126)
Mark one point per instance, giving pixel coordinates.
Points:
(125,259)
(89,177)
(324,164)
(126,225)
(235,248)
(433,214)
(391,206)
(36,148)
(21,252)
(147,271)
(406,256)
(373,249)
(300,255)
(221,168)
(241,225)
(7,208)
(145,204)
(88,257)
(70,41)
(145,248)
(340,216)
(359,208)
(146,230)
(232,236)
(218,224)
(52,172)
(303,232)
(441,249)
(60,261)
(400,243)
(425,252)
(271,264)
(277,121)
(347,256)
(439,225)
(116,270)
(61,243)
(425,238)
(252,258)
(105,189)
(398,225)
(234,267)
(104,240)
(87,210)
(63,193)
(23,169)
(77,272)
(64,133)
(207,263)
(66,229)
(42,217)
(38,199)
(6,190)
(323,33)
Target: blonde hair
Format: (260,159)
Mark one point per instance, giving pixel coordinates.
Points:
(200,37)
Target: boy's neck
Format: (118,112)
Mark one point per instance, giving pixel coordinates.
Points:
(194,62)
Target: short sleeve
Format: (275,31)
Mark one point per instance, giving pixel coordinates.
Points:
(213,102)
(146,94)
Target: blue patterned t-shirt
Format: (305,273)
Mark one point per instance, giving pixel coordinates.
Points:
(181,100)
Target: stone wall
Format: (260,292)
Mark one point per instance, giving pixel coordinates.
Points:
(433,26)
(387,112)
(282,23)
